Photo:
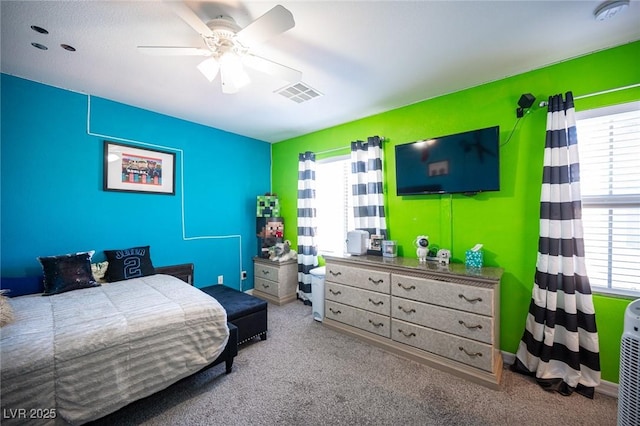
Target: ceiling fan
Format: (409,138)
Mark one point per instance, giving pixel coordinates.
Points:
(228,47)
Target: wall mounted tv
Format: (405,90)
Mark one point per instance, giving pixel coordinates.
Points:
(465,162)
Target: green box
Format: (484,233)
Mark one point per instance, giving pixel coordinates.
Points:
(268,206)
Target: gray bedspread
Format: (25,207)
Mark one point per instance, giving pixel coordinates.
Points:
(77,356)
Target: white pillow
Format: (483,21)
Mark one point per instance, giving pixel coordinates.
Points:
(98,270)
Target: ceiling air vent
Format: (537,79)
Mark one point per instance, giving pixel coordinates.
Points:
(299,92)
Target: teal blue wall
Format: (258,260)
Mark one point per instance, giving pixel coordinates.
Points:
(52,197)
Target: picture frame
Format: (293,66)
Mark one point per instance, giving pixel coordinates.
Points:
(375,247)
(129,168)
(389,248)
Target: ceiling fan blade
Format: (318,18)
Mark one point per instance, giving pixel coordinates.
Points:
(173,51)
(272,68)
(189,16)
(272,23)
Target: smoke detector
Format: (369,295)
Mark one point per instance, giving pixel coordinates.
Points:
(609,9)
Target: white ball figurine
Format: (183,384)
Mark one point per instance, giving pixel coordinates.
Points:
(422,242)
(443,256)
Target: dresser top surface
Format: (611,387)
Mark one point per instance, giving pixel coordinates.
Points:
(414,265)
(274,262)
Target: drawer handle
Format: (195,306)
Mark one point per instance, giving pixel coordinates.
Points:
(376,282)
(265,272)
(477,299)
(376,303)
(405,334)
(412,287)
(407,311)
(265,285)
(470,326)
(376,324)
(335,312)
(335,274)
(471,354)
(335,293)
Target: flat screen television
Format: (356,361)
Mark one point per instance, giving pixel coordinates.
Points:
(465,162)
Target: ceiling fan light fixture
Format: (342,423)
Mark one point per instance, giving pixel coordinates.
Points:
(209,68)
(241,79)
(225,46)
(233,70)
(231,62)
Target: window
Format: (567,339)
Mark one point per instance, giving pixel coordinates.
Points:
(333,204)
(609,149)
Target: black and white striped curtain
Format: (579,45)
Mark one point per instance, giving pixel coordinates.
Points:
(307,249)
(560,343)
(367,184)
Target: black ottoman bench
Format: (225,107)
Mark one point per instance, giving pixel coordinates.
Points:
(246,312)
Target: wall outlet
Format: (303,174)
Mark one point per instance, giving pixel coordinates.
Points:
(243,275)
(220,279)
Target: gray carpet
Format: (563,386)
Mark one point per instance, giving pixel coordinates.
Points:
(305,374)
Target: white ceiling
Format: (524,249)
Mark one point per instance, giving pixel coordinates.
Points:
(365,57)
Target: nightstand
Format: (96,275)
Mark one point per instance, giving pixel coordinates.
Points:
(275,282)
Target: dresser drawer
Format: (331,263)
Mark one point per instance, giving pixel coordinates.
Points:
(362,278)
(465,324)
(463,350)
(267,286)
(451,295)
(359,298)
(266,272)
(369,321)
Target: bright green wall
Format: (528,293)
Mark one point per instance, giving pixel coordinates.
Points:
(506,222)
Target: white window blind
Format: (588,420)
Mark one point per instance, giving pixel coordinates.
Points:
(334,206)
(609,149)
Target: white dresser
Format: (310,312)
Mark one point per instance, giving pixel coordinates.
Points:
(444,316)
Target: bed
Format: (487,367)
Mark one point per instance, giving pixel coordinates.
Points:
(77,356)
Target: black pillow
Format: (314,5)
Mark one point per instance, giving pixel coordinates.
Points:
(129,263)
(67,272)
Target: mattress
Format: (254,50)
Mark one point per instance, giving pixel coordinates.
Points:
(77,356)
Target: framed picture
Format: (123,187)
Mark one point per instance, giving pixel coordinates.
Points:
(376,245)
(132,169)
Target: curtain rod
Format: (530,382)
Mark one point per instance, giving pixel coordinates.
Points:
(382,139)
(617,89)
